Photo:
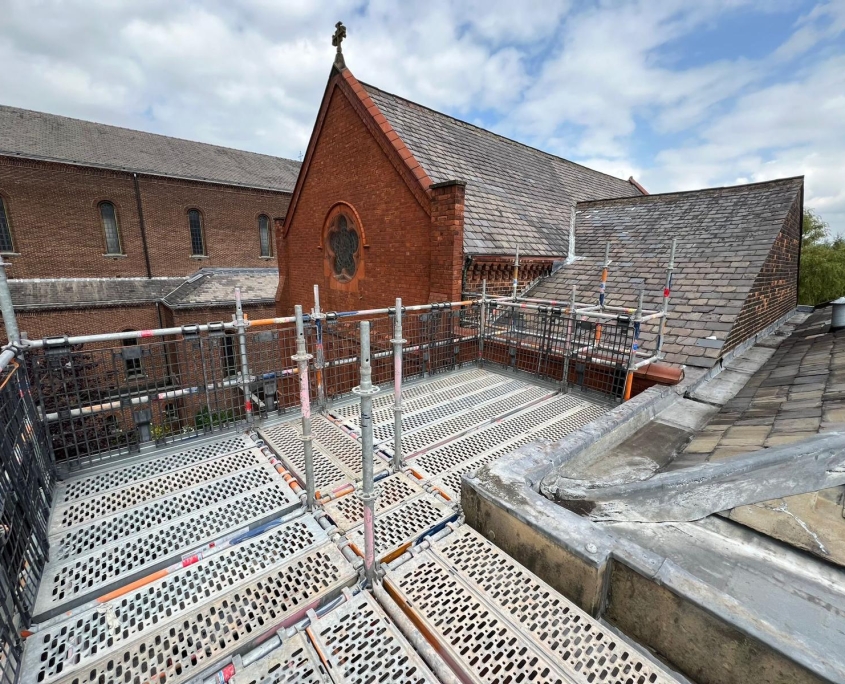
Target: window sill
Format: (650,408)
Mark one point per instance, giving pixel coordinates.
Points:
(199,257)
(267,258)
(115,256)
(5,254)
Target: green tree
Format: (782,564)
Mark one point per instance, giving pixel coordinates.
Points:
(822,275)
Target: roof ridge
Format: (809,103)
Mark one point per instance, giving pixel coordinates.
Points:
(493,133)
(697,191)
(136,130)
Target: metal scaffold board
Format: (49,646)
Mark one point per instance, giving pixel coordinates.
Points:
(404,524)
(414,420)
(286,442)
(517,429)
(69,582)
(105,503)
(63,646)
(352,408)
(361,645)
(348,511)
(454,426)
(294,662)
(87,485)
(585,650)
(206,636)
(337,455)
(486,646)
(82,538)
(555,429)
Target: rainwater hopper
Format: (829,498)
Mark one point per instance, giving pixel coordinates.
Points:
(838,307)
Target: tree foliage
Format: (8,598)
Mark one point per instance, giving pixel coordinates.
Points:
(822,275)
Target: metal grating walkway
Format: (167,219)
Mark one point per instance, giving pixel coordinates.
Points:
(210,554)
(115,527)
(503,623)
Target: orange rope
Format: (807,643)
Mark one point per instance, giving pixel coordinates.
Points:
(13,371)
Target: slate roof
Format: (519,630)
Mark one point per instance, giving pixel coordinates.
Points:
(35,135)
(210,287)
(61,293)
(724,236)
(515,194)
(797,393)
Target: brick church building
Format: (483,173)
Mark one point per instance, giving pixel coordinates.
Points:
(104,228)
(395,199)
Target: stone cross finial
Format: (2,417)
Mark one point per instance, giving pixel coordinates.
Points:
(337,39)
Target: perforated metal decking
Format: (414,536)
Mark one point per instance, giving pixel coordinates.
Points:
(501,623)
(498,623)
(111,528)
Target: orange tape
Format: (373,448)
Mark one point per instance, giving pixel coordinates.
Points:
(137,584)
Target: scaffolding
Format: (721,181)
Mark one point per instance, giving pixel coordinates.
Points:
(140,415)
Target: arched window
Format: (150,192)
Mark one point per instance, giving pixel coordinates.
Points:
(6,243)
(197,237)
(265,238)
(111,231)
(343,246)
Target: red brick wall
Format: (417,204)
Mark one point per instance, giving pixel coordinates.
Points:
(92,321)
(774,292)
(498,272)
(53,210)
(447,241)
(349,166)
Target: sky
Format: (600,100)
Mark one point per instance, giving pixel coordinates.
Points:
(679,94)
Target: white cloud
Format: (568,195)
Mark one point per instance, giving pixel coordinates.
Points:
(606,83)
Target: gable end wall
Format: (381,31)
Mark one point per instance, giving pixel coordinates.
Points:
(775,289)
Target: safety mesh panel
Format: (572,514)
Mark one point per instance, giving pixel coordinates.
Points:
(348,511)
(78,641)
(83,539)
(568,634)
(430,435)
(484,643)
(353,409)
(181,649)
(405,523)
(94,484)
(512,429)
(294,662)
(91,573)
(362,646)
(100,505)
(444,409)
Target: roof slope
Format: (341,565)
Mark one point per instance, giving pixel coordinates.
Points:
(57,293)
(724,236)
(210,287)
(36,135)
(515,194)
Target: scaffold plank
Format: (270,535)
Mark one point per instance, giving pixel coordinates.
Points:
(294,662)
(581,646)
(404,524)
(67,583)
(157,463)
(361,645)
(205,636)
(347,511)
(66,645)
